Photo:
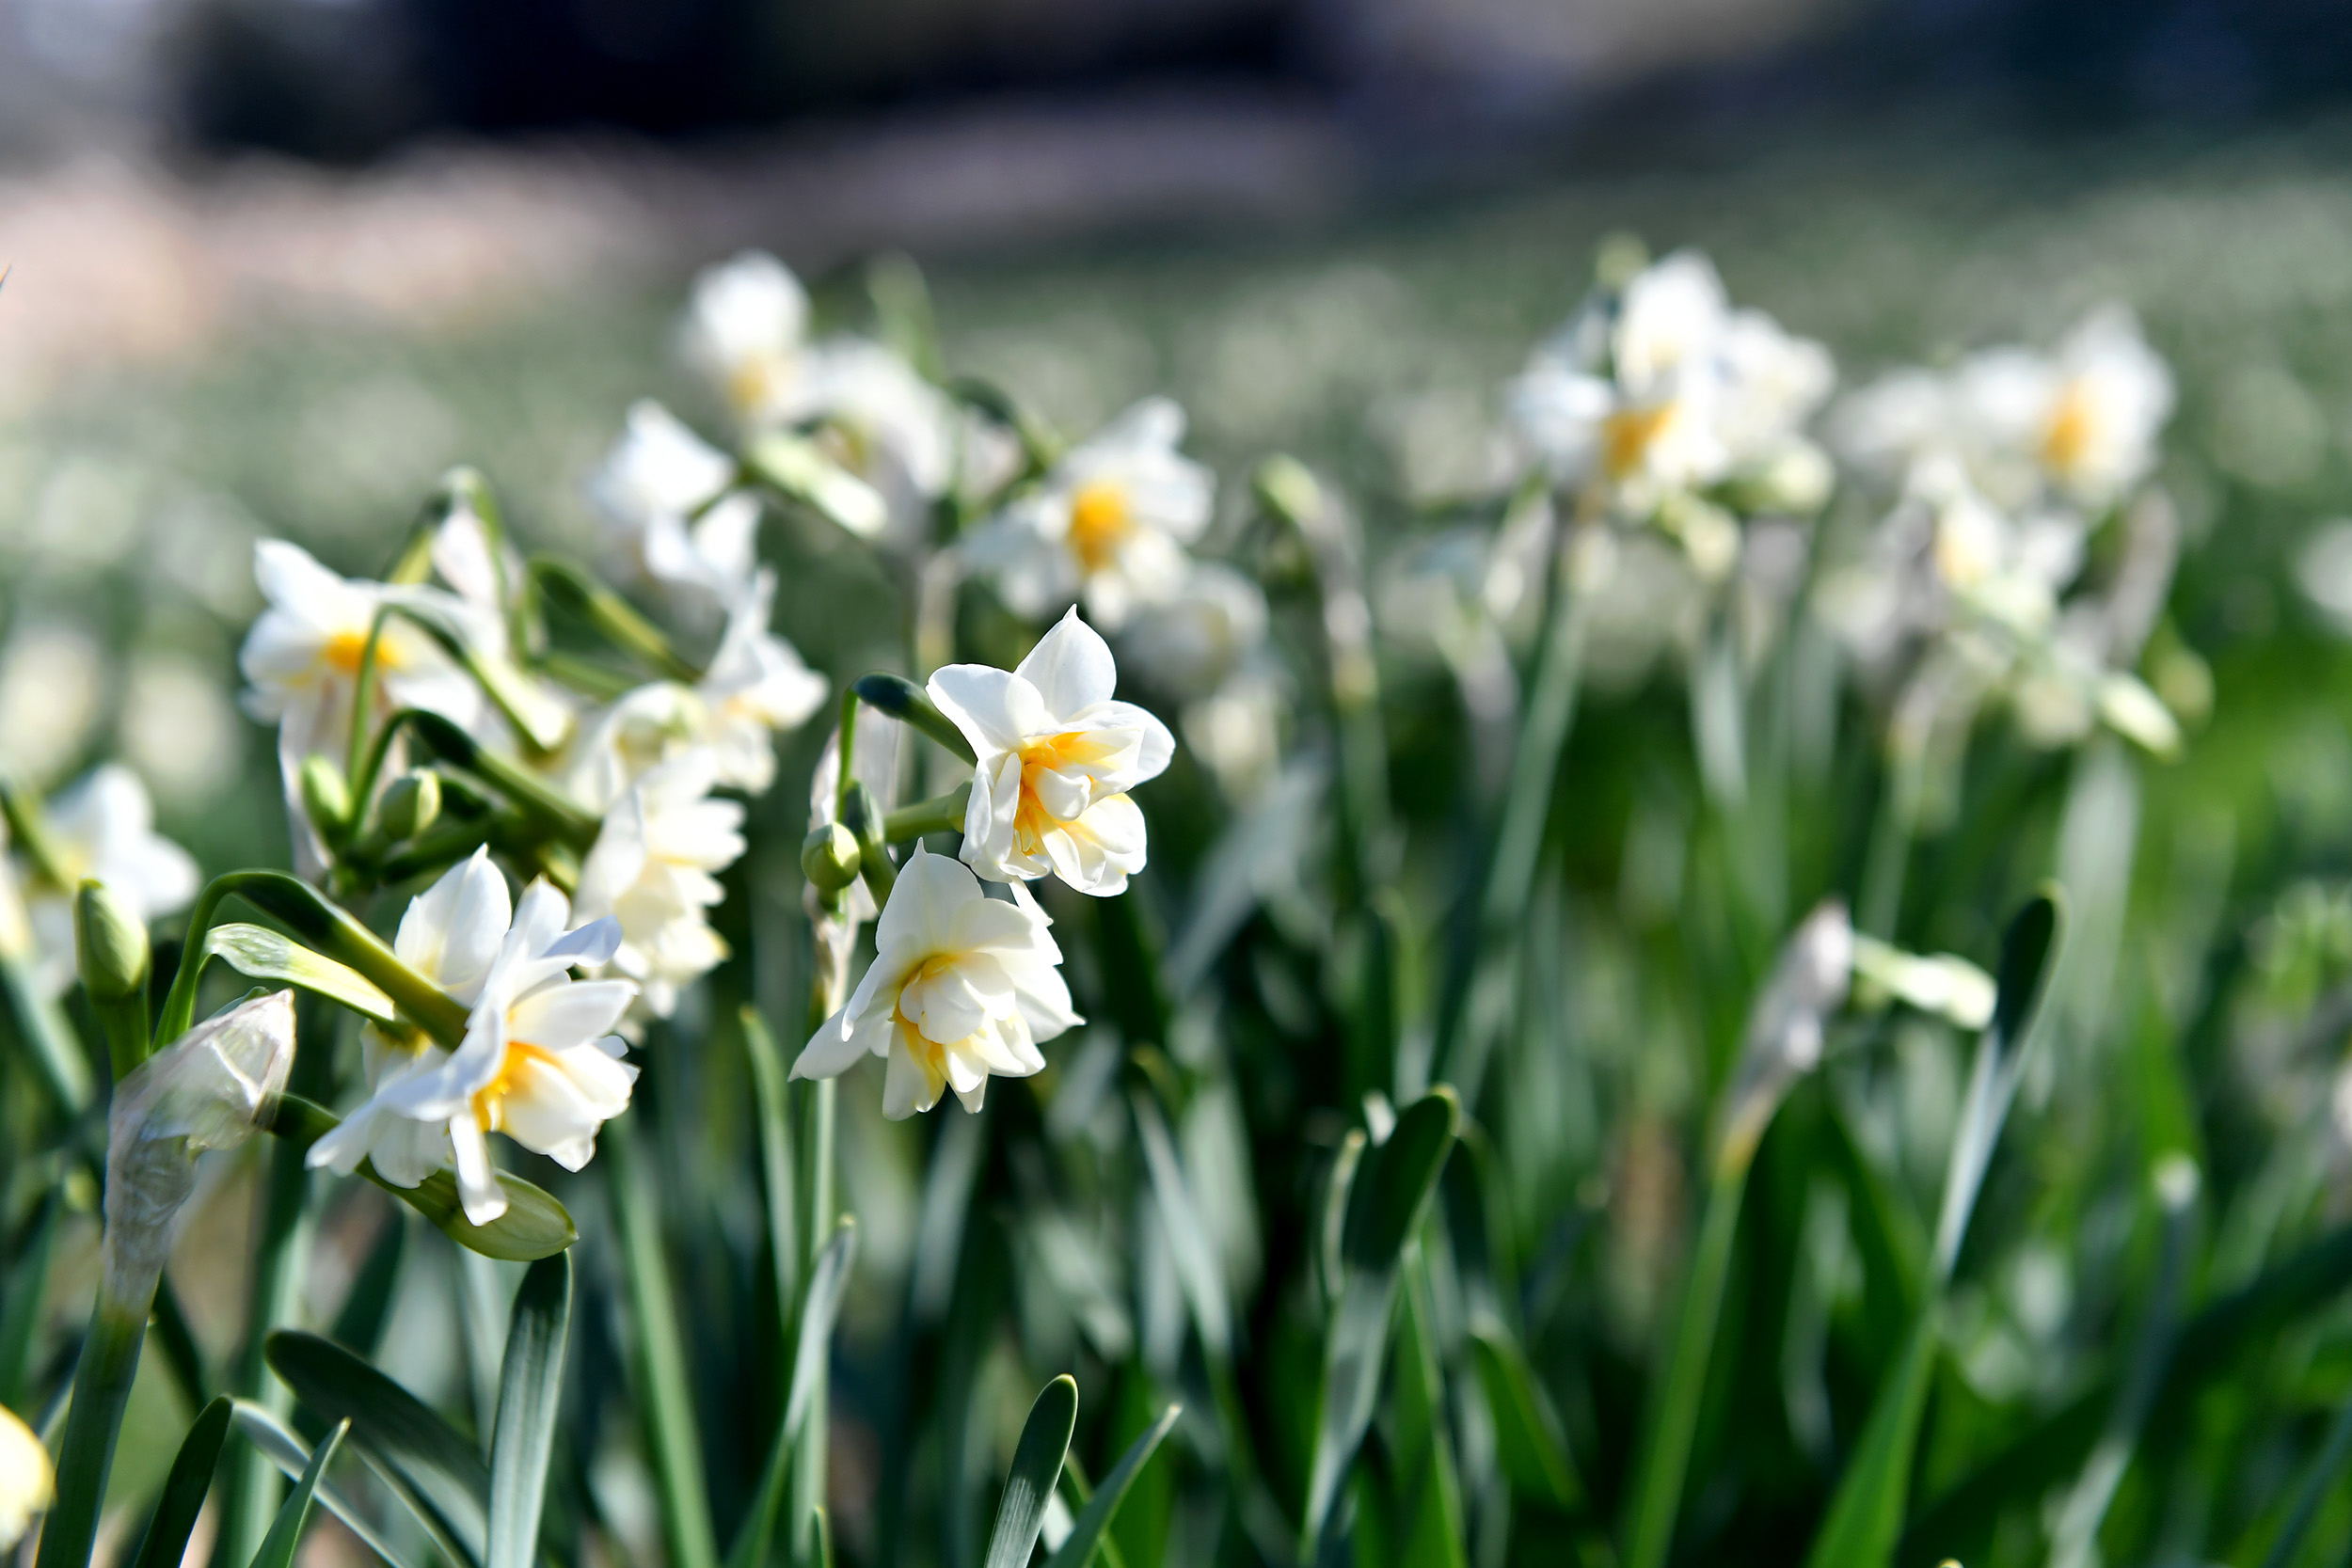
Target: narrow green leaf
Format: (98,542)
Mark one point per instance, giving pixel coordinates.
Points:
(531,1386)
(262,954)
(279,1443)
(663,1390)
(182,1499)
(1036,1462)
(285,1532)
(439,1474)
(1390,1194)
(1670,1423)
(1391,1191)
(1103,1507)
(1534,1452)
(21,1297)
(778,1188)
(534,1225)
(1866,1515)
(1197,1266)
(826,1283)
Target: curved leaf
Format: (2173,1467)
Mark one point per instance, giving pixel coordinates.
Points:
(1095,1518)
(1528,1438)
(262,954)
(1036,1471)
(285,1532)
(279,1443)
(530,1389)
(185,1489)
(438,1474)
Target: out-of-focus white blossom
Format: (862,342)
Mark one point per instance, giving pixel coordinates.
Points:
(671,510)
(102,827)
(745,320)
(1192,642)
(53,681)
(1237,731)
(1667,391)
(653,868)
(28,1482)
(1787,1025)
(1057,757)
(202,1091)
(1109,524)
(2078,425)
(539,1061)
(962,985)
(178,726)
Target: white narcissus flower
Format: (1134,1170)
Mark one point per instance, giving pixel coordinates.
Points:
(653,868)
(1056,758)
(301,664)
(1189,643)
(451,934)
(745,320)
(103,829)
(1108,526)
(28,1482)
(755,687)
(539,1061)
(2086,417)
(670,509)
(962,985)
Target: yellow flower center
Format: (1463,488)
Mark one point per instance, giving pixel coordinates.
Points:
(1627,436)
(751,384)
(1100,522)
(344,651)
(490,1102)
(1051,754)
(2074,423)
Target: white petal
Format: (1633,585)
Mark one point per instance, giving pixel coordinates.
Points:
(996,709)
(571,1013)
(478,1189)
(1071,669)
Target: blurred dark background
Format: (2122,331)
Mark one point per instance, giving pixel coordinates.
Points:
(349,81)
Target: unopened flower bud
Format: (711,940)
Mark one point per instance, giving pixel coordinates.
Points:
(28,1484)
(1796,482)
(110,945)
(828,858)
(205,1090)
(324,795)
(410,805)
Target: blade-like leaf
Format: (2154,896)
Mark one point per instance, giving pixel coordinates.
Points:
(531,1383)
(1036,1462)
(533,1227)
(262,954)
(1534,1452)
(282,1447)
(1390,1194)
(21,1299)
(439,1473)
(814,1346)
(285,1532)
(1103,1507)
(663,1391)
(184,1488)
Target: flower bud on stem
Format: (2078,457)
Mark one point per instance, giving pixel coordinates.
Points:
(112,951)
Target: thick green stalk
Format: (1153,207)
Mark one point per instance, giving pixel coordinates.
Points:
(611,617)
(662,1388)
(102,1388)
(1674,1419)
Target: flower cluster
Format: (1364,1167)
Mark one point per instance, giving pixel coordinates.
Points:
(1974,586)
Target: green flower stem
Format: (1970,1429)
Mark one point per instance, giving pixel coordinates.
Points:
(864,822)
(663,1390)
(813,1140)
(561,817)
(21,808)
(941,814)
(1673,1419)
(612,617)
(325,929)
(1480,1005)
(102,1388)
(911,704)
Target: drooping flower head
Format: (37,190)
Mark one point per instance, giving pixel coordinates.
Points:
(539,1061)
(962,985)
(1057,757)
(1109,524)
